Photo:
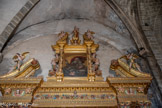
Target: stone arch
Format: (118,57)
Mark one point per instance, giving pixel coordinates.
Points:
(7,33)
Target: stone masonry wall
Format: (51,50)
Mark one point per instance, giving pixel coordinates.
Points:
(147,16)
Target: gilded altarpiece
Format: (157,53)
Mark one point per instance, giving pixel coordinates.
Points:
(75,79)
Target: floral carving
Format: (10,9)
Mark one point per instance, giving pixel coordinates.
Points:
(28,91)
(120,89)
(140,89)
(8,91)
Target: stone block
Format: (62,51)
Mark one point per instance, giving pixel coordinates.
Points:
(20,15)
(155,47)
(157,52)
(9,29)
(4,33)
(151,38)
(16,19)
(152,42)
(14,22)
(3,38)
(143,17)
(145,13)
(34,1)
(159,61)
(142,7)
(28,5)
(158,56)
(142,4)
(23,10)
(146,28)
(148,33)
(12,25)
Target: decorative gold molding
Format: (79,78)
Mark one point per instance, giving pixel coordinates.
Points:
(89,91)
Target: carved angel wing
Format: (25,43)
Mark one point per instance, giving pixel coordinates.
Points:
(24,54)
(92,32)
(136,56)
(14,57)
(59,34)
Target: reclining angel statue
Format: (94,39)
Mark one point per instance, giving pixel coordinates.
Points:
(22,68)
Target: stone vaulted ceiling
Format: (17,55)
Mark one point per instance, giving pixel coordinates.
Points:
(121,24)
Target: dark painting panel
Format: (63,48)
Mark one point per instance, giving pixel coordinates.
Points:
(76,68)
